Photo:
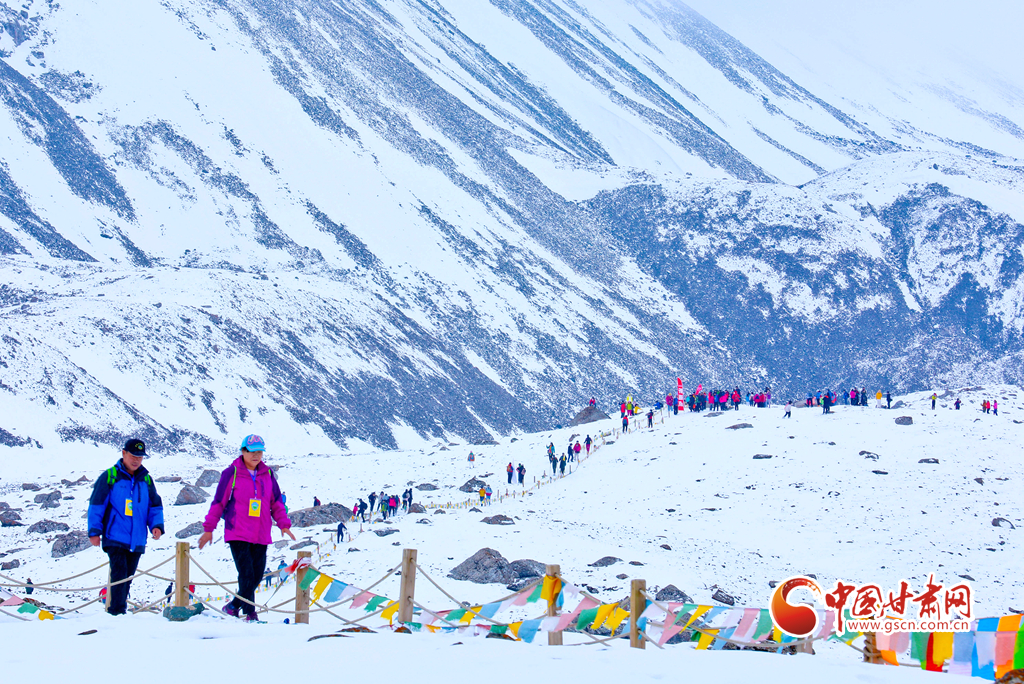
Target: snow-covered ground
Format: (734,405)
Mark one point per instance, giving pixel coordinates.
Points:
(821,504)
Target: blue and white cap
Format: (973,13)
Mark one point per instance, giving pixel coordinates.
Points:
(253,443)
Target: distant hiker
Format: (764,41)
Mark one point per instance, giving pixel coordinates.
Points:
(29,587)
(509,470)
(625,424)
(650,419)
(826,404)
(593,401)
(341,536)
(521,470)
(888,400)
(167,592)
(269,577)
(956,404)
(554,463)
(878,399)
(588,442)
(123,508)
(622,409)
(248,498)
(316,502)
(576,449)
(995,407)
(863,397)
(934,397)
(789,409)
(373,502)
(472,457)
(488,491)
(561,465)
(282,573)
(483,494)
(362,509)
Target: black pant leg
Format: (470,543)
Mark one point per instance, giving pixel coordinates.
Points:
(123,563)
(251,563)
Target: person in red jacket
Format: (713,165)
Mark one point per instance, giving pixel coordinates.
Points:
(247,498)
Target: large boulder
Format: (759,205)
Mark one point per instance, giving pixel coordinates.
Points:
(672,594)
(385,532)
(9,515)
(45,498)
(486,566)
(327,514)
(208,478)
(473,485)
(47,526)
(190,531)
(426,487)
(417,508)
(591,414)
(189,496)
(499,520)
(605,562)
(525,568)
(905,420)
(70,543)
(30,487)
(168,478)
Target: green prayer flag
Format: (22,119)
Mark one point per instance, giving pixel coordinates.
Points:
(587,618)
(308,580)
(684,613)
(499,629)
(375,602)
(27,608)
(764,624)
(455,615)
(535,596)
(1018,651)
(919,647)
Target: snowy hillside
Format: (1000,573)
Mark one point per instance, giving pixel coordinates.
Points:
(692,503)
(372,221)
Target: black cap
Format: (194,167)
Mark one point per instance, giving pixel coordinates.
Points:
(135,447)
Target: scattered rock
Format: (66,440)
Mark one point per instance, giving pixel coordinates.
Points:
(4,506)
(499,520)
(622,576)
(674,594)
(666,547)
(759,457)
(326,514)
(979,480)
(605,562)
(898,404)
(52,496)
(521,583)
(10,565)
(611,441)
(737,426)
(168,478)
(424,521)
(474,509)
(526,568)
(967,577)
(385,532)
(713,415)
(51,504)
(635,563)
(353,549)
(929,460)
(70,543)
(880,472)
(869,454)
(30,487)
(722,597)
(79,481)
(208,478)
(439,511)
(590,414)
(426,487)
(904,420)
(304,544)
(189,496)
(8,522)
(417,508)
(183,613)
(486,566)
(9,515)
(190,531)
(47,526)
(996,522)
(484,441)
(473,485)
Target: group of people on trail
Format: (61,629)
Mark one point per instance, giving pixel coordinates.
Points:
(987,406)
(385,504)
(519,471)
(485,494)
(125,509)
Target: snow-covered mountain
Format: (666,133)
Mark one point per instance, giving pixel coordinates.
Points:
(377,220)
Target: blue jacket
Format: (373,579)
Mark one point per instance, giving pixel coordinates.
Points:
(109,508)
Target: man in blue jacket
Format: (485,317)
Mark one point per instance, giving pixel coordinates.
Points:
(123,508)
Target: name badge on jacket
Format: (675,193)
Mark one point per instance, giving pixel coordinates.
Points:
(255,505)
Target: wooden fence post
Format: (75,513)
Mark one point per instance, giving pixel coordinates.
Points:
(637,604)
(554,638)
(407,591)
(301,595)
(181,563)
(871,652)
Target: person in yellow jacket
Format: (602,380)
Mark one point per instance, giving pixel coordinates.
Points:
(878,399)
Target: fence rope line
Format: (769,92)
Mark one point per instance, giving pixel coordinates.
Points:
(77,608)
(458,602)
(14,615)
(84,589)
(40,585)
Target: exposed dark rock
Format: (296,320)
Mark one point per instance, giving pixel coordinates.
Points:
(208,478)
(738,426)
(635,563)
(759,457)
(75,483)
(713,414)
(4,506)
(189,496)
(439,511)
(673,594)
(929,460)
(967,577)
(424,521)
(51,504)
(385,532)
(305,543)
(526,568)
(417,508)
(30,487)
(192,530)
(47,526)
(590,414)
(426,487)
(622,576)
(52,496)
(722,597)
(499,520)
(998,522)
(6,522)
(183,613)
(473,485)
(325,514)
(9,515)
(168,478)
(70,543)
(521,583)
(486,566)
(880,472)
(474,509)
(869,454)
(980,480)
(666,547)
(484,441)
(10,565)
(605,562)
(904,420)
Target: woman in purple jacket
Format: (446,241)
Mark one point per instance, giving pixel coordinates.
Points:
(247,498)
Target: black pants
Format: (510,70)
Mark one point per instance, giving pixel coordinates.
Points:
(123,563)
(250,561)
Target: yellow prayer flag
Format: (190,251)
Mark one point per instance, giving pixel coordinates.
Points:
(546,588)
(389,611)
(45,615)
(776,634)
(706,638)
(469,615)
(602,614)
(514,628)
(942,647)
(617,616)
(322,582)
(696,614)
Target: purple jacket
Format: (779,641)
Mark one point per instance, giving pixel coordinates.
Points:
(236,489)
